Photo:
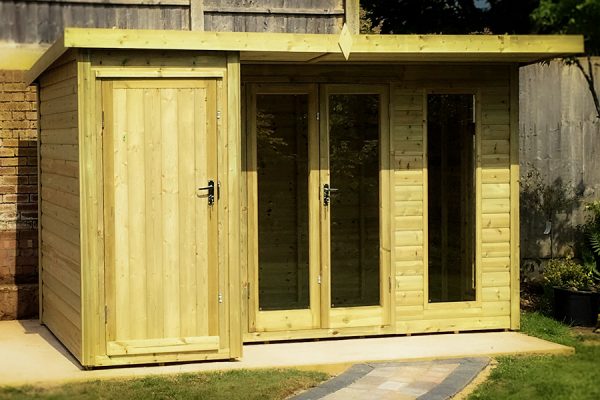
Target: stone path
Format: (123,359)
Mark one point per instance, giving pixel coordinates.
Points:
(431,380)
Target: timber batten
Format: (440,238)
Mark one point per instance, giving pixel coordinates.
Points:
(151,163)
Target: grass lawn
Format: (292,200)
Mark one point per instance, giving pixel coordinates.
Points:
(547,377)
(230,385)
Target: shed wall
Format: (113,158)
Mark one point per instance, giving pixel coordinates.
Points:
(497,210)
(60,258)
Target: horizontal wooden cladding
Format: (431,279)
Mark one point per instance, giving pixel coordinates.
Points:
(409,283)
(495,249)
(408,267)
(409,223)
(500,220)
(168,345)
(59,197)
(453,324)
(59,105)
(409,298)
(495,264)
(495,132)
(356,317)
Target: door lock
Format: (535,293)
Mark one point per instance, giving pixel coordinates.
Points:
(211,192)
(327,193)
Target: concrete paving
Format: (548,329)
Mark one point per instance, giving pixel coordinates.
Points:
(426,380)
(32,355)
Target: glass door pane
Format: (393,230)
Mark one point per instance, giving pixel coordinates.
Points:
(354,222)
(282,174)
(451,194)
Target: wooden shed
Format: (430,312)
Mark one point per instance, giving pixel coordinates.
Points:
(200,190)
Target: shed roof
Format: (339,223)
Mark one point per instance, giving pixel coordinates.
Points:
(258,47)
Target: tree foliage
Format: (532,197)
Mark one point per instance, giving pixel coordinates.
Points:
(450,16)
(571,17)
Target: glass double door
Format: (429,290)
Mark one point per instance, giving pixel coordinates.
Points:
(315,201)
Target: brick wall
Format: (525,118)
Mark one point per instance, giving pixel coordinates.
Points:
(18,197)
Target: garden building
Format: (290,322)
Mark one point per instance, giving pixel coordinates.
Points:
(201,190)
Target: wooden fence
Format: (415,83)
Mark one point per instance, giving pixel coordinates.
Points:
(42,21)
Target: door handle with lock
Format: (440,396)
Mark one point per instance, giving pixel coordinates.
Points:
(211,192)
(327,190)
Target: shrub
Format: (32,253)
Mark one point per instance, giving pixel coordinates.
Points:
(567,274)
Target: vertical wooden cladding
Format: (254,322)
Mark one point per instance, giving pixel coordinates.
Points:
(492,309)
(60,261)
(161,275)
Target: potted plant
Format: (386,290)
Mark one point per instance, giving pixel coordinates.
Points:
(576,297)
(591,231)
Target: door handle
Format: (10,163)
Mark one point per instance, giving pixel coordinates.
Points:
(327,190)
(211,192)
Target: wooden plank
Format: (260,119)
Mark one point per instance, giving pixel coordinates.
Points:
(134,207)
(59,136)
(495,279)
(351,13)
(501,220)
(409,298)
(496,294)
(196,15)
(495,249)
(495,264)
(68,152)
(156,346)
(409,283)
(351,317)
(58,105)
(65,168)
(515,261)
(453,324)
(234,139)
(495,235)
(47,59)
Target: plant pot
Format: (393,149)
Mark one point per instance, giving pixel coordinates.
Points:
(576,307)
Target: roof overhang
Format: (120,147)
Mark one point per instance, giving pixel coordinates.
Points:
(259,47)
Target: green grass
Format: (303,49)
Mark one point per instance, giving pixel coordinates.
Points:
(230,385)
(547,377)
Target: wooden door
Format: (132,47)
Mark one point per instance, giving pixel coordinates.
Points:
(354,206)
(162,277)
(283,180)
(314,265)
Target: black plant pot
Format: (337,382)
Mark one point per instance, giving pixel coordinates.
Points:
(576,307)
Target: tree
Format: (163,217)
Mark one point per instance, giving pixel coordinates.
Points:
(450,16)
(574,17)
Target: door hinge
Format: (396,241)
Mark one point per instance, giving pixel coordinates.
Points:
(102,120)
(318,116)
(390,284)
(319,279)
(106,314)
(248,290)
(220,298)
(218,114)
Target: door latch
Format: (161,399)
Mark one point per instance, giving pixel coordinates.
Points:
(327,194)
(211,192)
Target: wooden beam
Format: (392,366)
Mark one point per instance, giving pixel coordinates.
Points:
(453,46)
(46,60)
(196,15)
(352,13)
(273,10)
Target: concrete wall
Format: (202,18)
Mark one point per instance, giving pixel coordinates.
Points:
(560,136)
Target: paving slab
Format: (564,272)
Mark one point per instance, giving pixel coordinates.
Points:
(425,380)
(32,355)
